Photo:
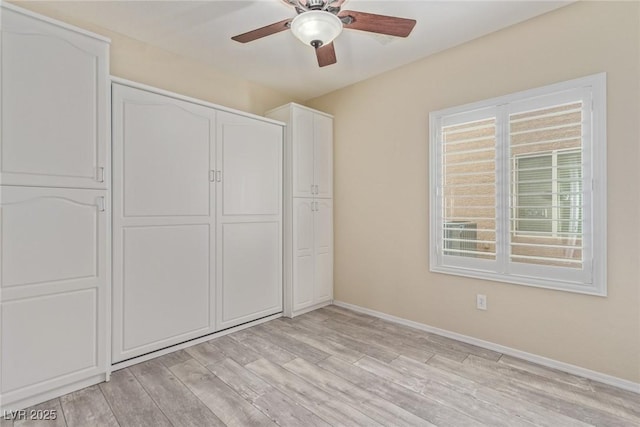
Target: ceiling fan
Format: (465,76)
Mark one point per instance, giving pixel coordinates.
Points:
(319,22)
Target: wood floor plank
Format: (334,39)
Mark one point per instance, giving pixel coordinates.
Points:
(87,407)
(246,384)
(315,316)
(369,348)
(264,348)
(131,404)
(174,358)
(564,391)
(538,397)
(178,403)
(360,318)
(300,349)
(324,405)
(276,405)
(628,399)
(393,343)
(307,336)
(484,412)
(205,353)
(230,407)
(235,350)
(50,407)
(383,411)
(601,392)
(416,347)
(535,414)
(463,347)
(548,373)
(452,349)
(419,405)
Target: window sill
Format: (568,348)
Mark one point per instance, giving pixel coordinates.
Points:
(523,280)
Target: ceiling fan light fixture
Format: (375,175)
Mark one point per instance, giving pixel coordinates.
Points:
(316,27)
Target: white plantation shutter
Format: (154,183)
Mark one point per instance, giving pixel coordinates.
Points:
(513,188)
(469,189)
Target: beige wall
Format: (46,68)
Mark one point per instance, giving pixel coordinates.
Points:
(140,62)
(381,186)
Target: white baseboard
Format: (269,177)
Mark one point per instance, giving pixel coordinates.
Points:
(541,360)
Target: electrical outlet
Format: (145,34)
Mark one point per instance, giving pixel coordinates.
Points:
(481,302)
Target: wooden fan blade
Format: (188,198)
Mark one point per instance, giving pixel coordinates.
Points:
(262,32)
(326,55)
(381,24)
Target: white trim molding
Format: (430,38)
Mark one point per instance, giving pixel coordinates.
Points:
(530,357)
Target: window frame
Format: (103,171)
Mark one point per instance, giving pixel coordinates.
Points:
(593,279)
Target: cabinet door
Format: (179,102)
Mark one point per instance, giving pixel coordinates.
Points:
(55,116)
(303,179)
(323,250)
(249,227)
(53,301)
(164,221)
(303,253)
(323,155)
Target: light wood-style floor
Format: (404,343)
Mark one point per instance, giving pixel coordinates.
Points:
(340,368)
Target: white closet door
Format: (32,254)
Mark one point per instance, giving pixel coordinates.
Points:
(323,155)
(323,250)
(54,278)
(303,249)
(54,105)
(249,232)
(303,180)
(164,221)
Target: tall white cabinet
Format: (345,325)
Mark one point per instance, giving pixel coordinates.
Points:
(197,219)
(308,208)
(54,208)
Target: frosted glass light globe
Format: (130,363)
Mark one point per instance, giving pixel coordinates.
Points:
(316,27)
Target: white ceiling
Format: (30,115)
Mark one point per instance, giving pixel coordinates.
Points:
(203,30)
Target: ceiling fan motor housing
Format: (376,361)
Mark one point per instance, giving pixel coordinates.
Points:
(316,4)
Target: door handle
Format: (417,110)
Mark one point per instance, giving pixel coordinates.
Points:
(312,189)
(100,203)
(219,176)
(212,176)
(100,174)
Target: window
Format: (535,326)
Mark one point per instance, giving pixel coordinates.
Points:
(548,193)
(518,188)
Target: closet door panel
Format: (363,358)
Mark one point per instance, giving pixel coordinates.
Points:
(303,252)
(323,155)
(54,105)
(165,286)
(323,242)
(251,285)
(37,223)
(54,280)
(59,341)
(251,164)
(249,220)
(303,179)
(166,147)
(164,221)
